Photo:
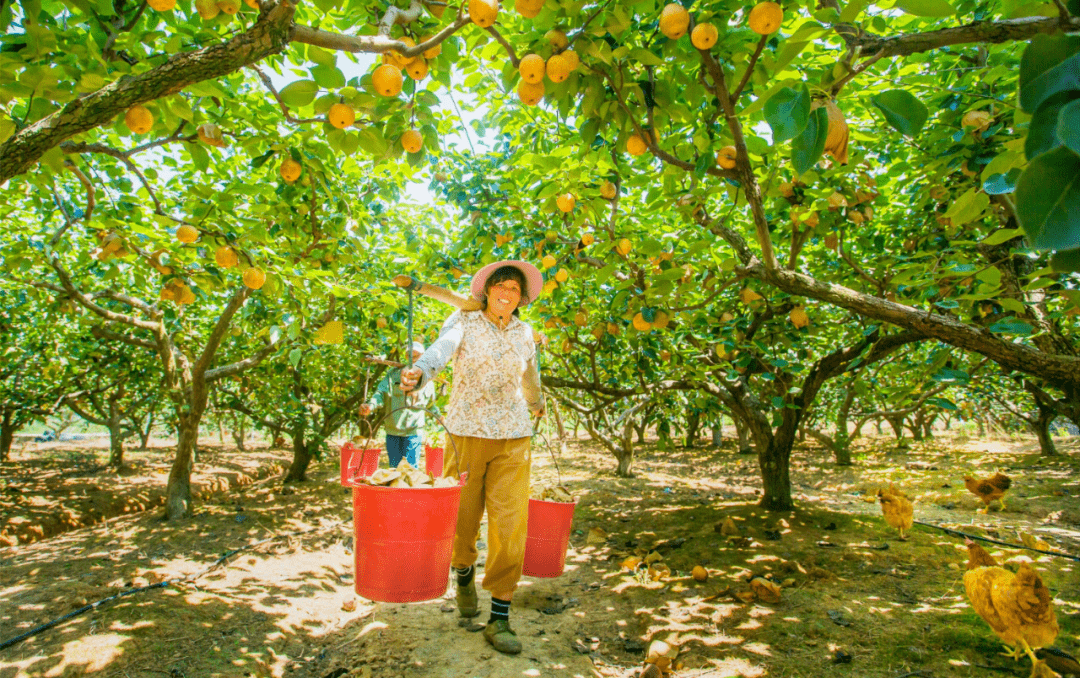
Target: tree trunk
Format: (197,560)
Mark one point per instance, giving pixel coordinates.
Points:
(842,442)
(692,426)
(239,433)
(178,493)
(718,435)
(897,424)
(928,426)
(744,436)
(7,433)
(1042,430)
(301,456)
(625,452)
(145,433)
(775,476)
(877,424)
(116,436)
(558,419)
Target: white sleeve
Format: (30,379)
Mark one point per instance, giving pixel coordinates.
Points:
(440,352)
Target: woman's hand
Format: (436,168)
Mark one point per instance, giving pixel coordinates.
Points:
(365,410)
(410,377)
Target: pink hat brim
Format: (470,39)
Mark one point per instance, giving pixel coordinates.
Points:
(534,280)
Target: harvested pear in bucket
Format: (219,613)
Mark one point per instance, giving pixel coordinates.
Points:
(555,493)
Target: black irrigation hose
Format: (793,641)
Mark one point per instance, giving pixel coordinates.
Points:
(191,577)
(995,541)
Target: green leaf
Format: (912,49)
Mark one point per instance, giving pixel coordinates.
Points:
(328,77)
(1043,130)
(1012,305)
(902,111)
(997,184)
(808,146)
(646,58)
(1043,53)
(1067,261)
(1002,235)
(787,112)
(1061,78)
(934,8)
(991,276)
(967,207)
(295,355)
(1011,326)
(299,93)
(852,11)
(1068,126)
(1048,200)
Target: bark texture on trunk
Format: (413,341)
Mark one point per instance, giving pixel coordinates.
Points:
(744,437)
(693,425)
(1041,424)
(301,456)
(7,433)
(178,493)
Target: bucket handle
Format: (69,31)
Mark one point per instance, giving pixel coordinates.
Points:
(551,451)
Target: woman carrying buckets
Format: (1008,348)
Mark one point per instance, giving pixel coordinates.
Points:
(496,385)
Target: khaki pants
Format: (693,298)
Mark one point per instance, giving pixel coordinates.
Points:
(498,481)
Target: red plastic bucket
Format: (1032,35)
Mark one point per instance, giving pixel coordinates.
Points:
(433,460)
(404,539)
(547,538)
(357,462)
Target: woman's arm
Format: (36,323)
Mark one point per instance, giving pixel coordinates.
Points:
(440,352)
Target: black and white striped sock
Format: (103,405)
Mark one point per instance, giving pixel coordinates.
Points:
(500,609)
(464,575)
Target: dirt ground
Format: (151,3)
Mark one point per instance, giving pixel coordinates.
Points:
(855,600)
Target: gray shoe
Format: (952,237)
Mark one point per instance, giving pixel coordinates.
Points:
(467,602)
(502,637)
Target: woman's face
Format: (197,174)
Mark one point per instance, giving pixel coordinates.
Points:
(504,297)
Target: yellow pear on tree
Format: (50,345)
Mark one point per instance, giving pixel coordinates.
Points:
(704,36)
(530,93)
(607,190)
(531,67)
(483,12)
(341,115)
(226,257)
(726,156)
(765,18)
(289,170)
(566,202)
(387,80)
(187,234)
(254,278)
(412,140)
(624,246)
(557,39)
(548,261)
(138,119)
(674,20)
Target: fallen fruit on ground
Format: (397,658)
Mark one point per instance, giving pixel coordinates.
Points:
(699,573)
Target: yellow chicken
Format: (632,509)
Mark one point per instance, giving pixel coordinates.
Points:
(897,508)
(1016,606)
(989,489)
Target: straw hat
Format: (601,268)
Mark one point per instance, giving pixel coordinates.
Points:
(534,280)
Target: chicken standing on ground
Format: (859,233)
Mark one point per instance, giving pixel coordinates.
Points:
(989,489)
(1016,606)
(897,508)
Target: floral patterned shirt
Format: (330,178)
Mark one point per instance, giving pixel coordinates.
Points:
(496,379)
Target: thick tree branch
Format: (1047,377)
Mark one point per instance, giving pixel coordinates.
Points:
(981,32)
(102,333)
(220,328)
(268,36)
(1062,371)
(374,44)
